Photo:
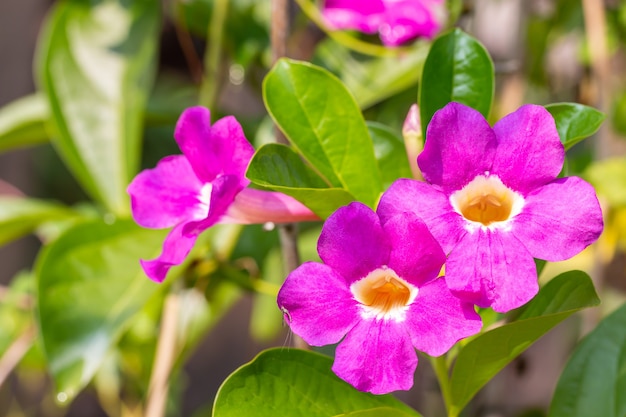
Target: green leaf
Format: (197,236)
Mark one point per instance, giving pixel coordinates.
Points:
(373,79)
(482,358)
(390,153)
(575,122)
(458,68)
(292,382)
(377,412)
(23,122)
(594,380)
(96,66)
(322,120)
(89,284)
(280,168)
(20,216)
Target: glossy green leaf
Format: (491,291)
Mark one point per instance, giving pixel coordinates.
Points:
(575,122)
(322,120)
(390,153)
(23,122)
(594,380)
(21,216)
(280,168)
(482,358)
(89,284)
(293,382)
(458,68)
(96,66)
(377,412)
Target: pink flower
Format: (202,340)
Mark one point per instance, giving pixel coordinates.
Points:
(396,21)
(206,184)
(378,287)
(493,201)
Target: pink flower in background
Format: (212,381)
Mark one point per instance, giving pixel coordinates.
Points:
(493,201)
(206,184)
(396,21)
(378,291)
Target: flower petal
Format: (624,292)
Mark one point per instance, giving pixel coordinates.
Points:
(376,356)
(415,254)
(530,153)
(437,319)
(492,269)
(167,194)
(459,145)
(318,304)
(353,242)
(559,219)
(221,149)
(409,19)
(429,204)
(362,15)
(176,247)
(253,206)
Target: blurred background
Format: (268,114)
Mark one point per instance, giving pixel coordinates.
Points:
(544,51)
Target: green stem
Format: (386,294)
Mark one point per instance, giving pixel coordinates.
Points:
(440,366)
(213,54)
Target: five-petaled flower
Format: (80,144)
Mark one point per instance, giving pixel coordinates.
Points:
(396,21)
(205,185)
(378,287)
(493,200)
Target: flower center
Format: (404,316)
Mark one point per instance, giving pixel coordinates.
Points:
(486,200)
(383,294)
(205,199)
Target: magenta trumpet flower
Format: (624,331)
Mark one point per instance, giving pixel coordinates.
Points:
(493,200)
(377,293)
(396,21)
(205,185)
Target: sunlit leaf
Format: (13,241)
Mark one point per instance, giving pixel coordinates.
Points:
(96,66)
(594,380)
(292,382)
(377,412)
(23,122)
(20,216)
(458,68)
(280,168)
(575,122)
(482,358)
(89,284)
(322,120)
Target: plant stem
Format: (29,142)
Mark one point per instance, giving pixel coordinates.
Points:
(441,370)
(165,356)
(213,54)
(15,352)
(287,233)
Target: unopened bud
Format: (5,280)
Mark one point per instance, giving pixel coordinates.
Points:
(413,140)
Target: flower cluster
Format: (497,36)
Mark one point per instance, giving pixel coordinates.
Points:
(491,201)
(395,21)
